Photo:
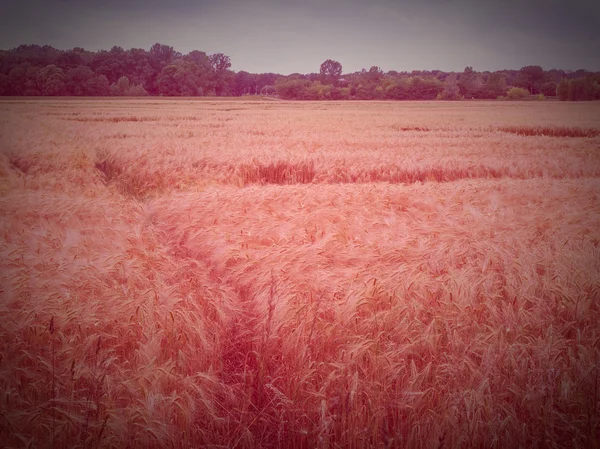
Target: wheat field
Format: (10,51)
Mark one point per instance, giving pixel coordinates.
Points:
(245,274)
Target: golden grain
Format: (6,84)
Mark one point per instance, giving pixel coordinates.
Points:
(278,274)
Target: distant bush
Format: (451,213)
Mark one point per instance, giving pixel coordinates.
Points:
(424,88)
(541,97)
(292,89)
(345,93)
(119,88)
(517,93)
(445,95)
(123,88)
(365,92)
(136,91)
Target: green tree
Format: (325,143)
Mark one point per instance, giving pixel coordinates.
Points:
(596,87)
(51,81)
(581,89)
(366,92)
(199,57)
(244,83)
(166,83)
(140,69)
(136,91)
(97,86)
(470,83)
(17,78)
(330,71)
(4,84)
(83,81)
(69,59)
(112,64)
(183,78)
(517,93)
(162,54)
(292,89)
(562,90)
(531,77)
(397,90)
(219,62)
(495,86)
(120,87)
(374,74)
(451,90)
(424,88)
(220,65)
(548,88)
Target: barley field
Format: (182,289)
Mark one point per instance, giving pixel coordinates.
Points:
(269,274)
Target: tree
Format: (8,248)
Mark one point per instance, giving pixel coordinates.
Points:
(424,89)
(220,64)
(182,78)
(120,87)
(35,55)
(199,57)
(531,77)
(77,80)
(470,83)
(495,86)
(97,86)
(136,91)
(83,81)
(139,68)
(548,88)
(51,81)
(451,90)
(555,75)
(397,90)
(330,71)
(596,87)
(162,54)
(581,89)
(244,83)
(562,90)
(578,89)
(265,79)
(188,80)
(69,59)
(517,93)
(4,84)
(112,64)
(292,89)
(17,78)
(375,73)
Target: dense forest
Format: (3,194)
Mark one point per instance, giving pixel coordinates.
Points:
(43,70)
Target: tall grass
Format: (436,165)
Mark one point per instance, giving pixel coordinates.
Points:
(276,173)
(301,287)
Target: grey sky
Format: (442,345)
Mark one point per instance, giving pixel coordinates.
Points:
(297,36)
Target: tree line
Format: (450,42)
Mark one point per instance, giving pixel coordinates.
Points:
(33,70)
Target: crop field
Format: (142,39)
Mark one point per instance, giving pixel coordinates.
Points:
(269,274)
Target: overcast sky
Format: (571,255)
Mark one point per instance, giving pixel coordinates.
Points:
(286,36)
